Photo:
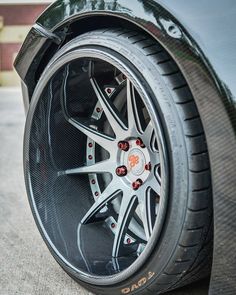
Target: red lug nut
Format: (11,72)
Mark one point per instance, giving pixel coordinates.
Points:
(140,143)
(121,171)
(128,241)
(148,166)
(136,185)
(123,145)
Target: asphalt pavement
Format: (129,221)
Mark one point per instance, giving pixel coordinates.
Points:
(26,267)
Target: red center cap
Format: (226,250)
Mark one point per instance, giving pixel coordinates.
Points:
(136,161)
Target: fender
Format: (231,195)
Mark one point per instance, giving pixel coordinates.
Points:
(199,37)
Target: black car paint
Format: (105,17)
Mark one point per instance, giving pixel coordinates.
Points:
(200,36)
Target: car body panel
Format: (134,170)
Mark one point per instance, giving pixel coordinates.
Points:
(200,37)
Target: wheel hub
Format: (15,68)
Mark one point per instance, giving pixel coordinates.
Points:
(136,159)
(136,162)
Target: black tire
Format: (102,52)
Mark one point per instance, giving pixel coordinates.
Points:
(183,251)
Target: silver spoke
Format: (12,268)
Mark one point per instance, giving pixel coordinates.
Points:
(148,136)
(127,209)
(148,132)
(100,138)
(100,167)
(132,110)
(147,212)
(112,116)
(155,185)
(108,194)
(155,160)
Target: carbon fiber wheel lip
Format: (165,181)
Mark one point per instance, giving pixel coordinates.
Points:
(94,53)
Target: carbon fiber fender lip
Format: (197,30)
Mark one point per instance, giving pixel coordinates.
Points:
(38,40)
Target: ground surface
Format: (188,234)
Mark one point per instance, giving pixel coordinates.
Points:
(26,267)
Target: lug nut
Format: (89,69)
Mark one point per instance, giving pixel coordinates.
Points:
(121,171)
(148,166)
(123,145)
(128,241)
(136,185)
(140,143)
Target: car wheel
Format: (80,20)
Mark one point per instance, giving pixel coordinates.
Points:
(117,168)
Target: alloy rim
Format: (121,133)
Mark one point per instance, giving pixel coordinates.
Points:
(126,179)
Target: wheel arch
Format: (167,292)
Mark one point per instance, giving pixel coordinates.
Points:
(62,21)
(64,33)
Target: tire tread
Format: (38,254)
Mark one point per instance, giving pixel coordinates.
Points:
(184,269)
